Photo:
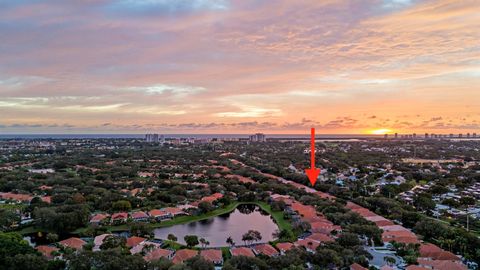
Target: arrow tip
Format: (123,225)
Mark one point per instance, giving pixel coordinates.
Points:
(312,174)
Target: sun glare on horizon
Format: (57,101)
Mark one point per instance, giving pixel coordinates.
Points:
(381,131)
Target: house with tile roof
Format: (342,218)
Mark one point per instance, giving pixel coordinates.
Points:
(159,214)
(212,255)
(145,244)
(441,264)
(309,244)
(73,242)
(357,266)
(98,219)
(242,251)
(134,240)
(320,237)
(265,249)
(284,247)
(158,253)
(47,251)
(139,216)
(183,255)
(428,250)
(174,211)
(98,241)
(119,218)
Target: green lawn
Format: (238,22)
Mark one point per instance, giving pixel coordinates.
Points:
(12,206)
(282,223)
(277,216)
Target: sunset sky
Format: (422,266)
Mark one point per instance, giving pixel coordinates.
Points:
(239,66)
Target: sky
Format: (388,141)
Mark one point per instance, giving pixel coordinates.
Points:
(239,66)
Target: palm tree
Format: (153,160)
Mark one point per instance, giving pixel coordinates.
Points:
(449,243)
(230,241)
(172,237)
(204,242)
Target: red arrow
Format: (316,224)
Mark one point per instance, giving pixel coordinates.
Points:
(313,172)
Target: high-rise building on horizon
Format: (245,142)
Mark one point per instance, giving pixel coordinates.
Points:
(151,137)
(258,137)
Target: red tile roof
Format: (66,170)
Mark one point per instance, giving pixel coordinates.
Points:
(324,227)
(357,266)
(183,255)
(121,215)
(157,213)
(157,254)
(16,197)
(266,250)
(98,218)
(212,197)
(213,255)
(400,237)
(73,242)
(242,251)
(442,264)
(284,246)
(416,267)
(173,210)
(307,243)
(47,251)
(134,240)
(429,250)
(320,237)
(139,215)
(240,178)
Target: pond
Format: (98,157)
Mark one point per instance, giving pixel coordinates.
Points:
(216,230)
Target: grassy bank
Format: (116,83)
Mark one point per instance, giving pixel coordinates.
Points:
(277,216)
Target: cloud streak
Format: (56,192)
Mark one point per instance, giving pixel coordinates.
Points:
(132,63)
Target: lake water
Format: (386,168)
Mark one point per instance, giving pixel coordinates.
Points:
(216,230)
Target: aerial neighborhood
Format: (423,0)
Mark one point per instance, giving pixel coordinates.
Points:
(173,203)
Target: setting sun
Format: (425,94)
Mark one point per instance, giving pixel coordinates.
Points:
(381,131)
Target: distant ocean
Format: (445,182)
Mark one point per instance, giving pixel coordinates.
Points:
(183,136)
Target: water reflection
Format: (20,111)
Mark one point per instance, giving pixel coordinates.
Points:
(216,230)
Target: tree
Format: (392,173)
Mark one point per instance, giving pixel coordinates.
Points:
(27,261)
(205,207)
(113,241)
(327,258)
(246,263)
(122,205)
(283,234)
(141,229)
(424,203)
(52,237)
(78,198)
(172,237)
(251,236)
(348,240)
(191,240)
(430,229)
(389,260)
(230,241)
(8,218)
(160,264)
(204,242)
(199,263)
(105,260)
(12,244)
(247,238)
(467,201)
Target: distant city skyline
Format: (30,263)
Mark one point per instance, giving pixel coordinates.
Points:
(239,66)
